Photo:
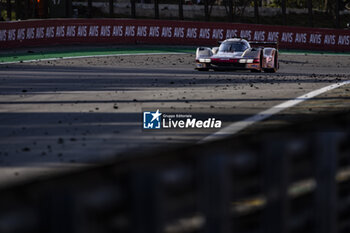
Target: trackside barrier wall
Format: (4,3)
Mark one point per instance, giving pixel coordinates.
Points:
(129,31)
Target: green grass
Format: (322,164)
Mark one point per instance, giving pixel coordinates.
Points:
(77,52)
(30,55)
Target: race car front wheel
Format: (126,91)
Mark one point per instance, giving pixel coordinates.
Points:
(273,70)
(275,66)
(255,71)
(202,69)
(260,65)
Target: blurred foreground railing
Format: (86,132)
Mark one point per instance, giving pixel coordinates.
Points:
(269,182)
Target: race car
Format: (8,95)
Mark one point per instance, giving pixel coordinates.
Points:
(239,54)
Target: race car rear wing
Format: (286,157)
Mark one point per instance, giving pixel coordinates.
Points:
(256,44)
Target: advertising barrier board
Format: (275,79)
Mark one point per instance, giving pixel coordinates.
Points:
(131,31)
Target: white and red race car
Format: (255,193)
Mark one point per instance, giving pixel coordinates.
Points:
(239,54)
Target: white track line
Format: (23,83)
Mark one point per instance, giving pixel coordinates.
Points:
(240,125)
(315,54)
(87,56)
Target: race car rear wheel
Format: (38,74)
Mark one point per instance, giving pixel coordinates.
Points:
(273,70)
(275,66)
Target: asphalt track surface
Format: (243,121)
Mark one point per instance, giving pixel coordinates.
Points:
(64,114)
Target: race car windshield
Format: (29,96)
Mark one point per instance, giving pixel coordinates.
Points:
(230,47)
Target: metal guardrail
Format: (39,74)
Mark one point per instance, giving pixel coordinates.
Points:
(269,182)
